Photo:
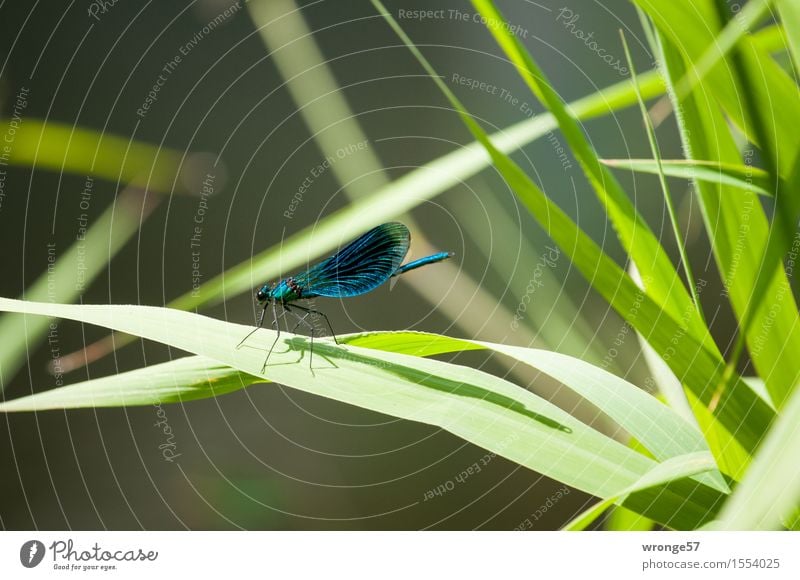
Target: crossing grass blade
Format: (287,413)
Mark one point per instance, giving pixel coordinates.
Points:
(740,176)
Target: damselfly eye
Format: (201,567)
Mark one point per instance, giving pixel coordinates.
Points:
(261,296)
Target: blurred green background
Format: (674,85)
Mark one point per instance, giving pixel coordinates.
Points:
(269,457)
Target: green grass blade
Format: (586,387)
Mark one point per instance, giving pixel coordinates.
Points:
(739,232)
(660,279)
(624,520)
(769,494)
(693,26)
(670,470)
(69,275)
(742,177)
(753,12)
(178,381)
(771,39)
(656,151)
(60,147)
(789,11)
(694,359)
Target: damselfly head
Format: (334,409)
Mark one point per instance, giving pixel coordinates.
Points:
(263,294)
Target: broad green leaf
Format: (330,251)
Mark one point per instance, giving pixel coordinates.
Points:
(472,404)
(69,275)
(769,493)
(670,470)
(659,430)
(698,364)
(60,147)
(743,177)
(624,520)
(733,459)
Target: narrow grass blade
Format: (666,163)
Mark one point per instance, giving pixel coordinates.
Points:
(656,151)
(742,177)
(624,520)
(693,26)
